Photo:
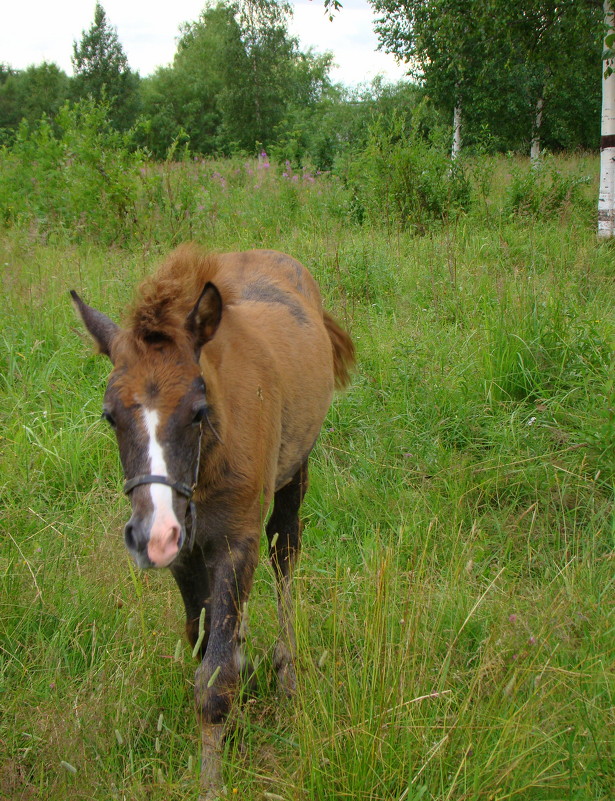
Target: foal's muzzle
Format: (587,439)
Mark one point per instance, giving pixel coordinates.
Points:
(137,538)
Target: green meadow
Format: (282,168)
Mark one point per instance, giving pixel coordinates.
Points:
(455,596)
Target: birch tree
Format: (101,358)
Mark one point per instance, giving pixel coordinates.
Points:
(606,200)
(511,67)
(538,33)
(443,44)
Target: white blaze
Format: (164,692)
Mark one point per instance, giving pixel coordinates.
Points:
(162,496)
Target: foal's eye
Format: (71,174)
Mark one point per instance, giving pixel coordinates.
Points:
(199,415)
(108,417)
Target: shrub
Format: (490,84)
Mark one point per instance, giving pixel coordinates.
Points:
(80,181)
(405,180)
(542,191)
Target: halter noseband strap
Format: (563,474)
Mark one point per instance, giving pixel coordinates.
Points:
(182,489)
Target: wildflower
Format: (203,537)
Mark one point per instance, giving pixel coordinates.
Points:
(512,618)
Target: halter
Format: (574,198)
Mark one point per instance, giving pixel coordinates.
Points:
(178,486)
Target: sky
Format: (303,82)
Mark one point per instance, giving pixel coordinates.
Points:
(33,31)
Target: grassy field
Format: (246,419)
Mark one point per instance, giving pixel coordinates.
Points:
(455,596)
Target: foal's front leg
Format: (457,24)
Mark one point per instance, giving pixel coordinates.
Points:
(217,677)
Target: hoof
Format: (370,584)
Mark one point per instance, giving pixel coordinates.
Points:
(211,762)
(213,795)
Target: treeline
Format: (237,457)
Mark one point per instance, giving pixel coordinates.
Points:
(239,82)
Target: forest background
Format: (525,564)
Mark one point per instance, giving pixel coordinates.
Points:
(239,81)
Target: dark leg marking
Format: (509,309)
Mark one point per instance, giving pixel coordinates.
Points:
(192,577)
(217,677)
(283,551)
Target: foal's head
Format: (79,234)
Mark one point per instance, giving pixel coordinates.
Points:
(155,402)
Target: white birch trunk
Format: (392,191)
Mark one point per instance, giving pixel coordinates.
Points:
(606,199)
(535,146)
(456,148)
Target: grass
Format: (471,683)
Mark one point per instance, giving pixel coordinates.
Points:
(454,600)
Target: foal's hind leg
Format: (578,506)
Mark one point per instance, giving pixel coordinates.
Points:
(284,535)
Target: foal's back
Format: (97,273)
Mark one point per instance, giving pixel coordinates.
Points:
(273,360)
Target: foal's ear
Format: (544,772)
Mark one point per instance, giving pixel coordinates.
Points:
(204,319)
(102,329)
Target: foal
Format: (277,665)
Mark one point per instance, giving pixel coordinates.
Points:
(220,383)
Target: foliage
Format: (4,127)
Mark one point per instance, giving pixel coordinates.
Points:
(338,126)
(239,82)
(236,78)
(81,181)
(406,179)
(102,71)
(498,59)
(542,191)
(31,94)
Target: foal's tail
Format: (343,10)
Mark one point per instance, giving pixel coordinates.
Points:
(344,356)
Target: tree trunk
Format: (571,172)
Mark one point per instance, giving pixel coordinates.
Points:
(535,146)
(606,199)
(456,131)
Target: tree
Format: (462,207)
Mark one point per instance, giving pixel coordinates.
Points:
(184,99)
(538,33)
(29,94)
(266,75)
(444,43)
(236,78)
(501,62)
(102,72)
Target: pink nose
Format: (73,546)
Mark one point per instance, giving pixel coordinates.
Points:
(163,548)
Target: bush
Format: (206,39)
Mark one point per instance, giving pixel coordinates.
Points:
(542,191)
(80,181)
(405,180)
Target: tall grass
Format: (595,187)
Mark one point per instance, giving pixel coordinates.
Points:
(454,600)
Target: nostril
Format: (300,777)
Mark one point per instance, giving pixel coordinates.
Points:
(129,537)
(176,533)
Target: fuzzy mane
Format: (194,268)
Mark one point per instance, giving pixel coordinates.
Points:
(166,298)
